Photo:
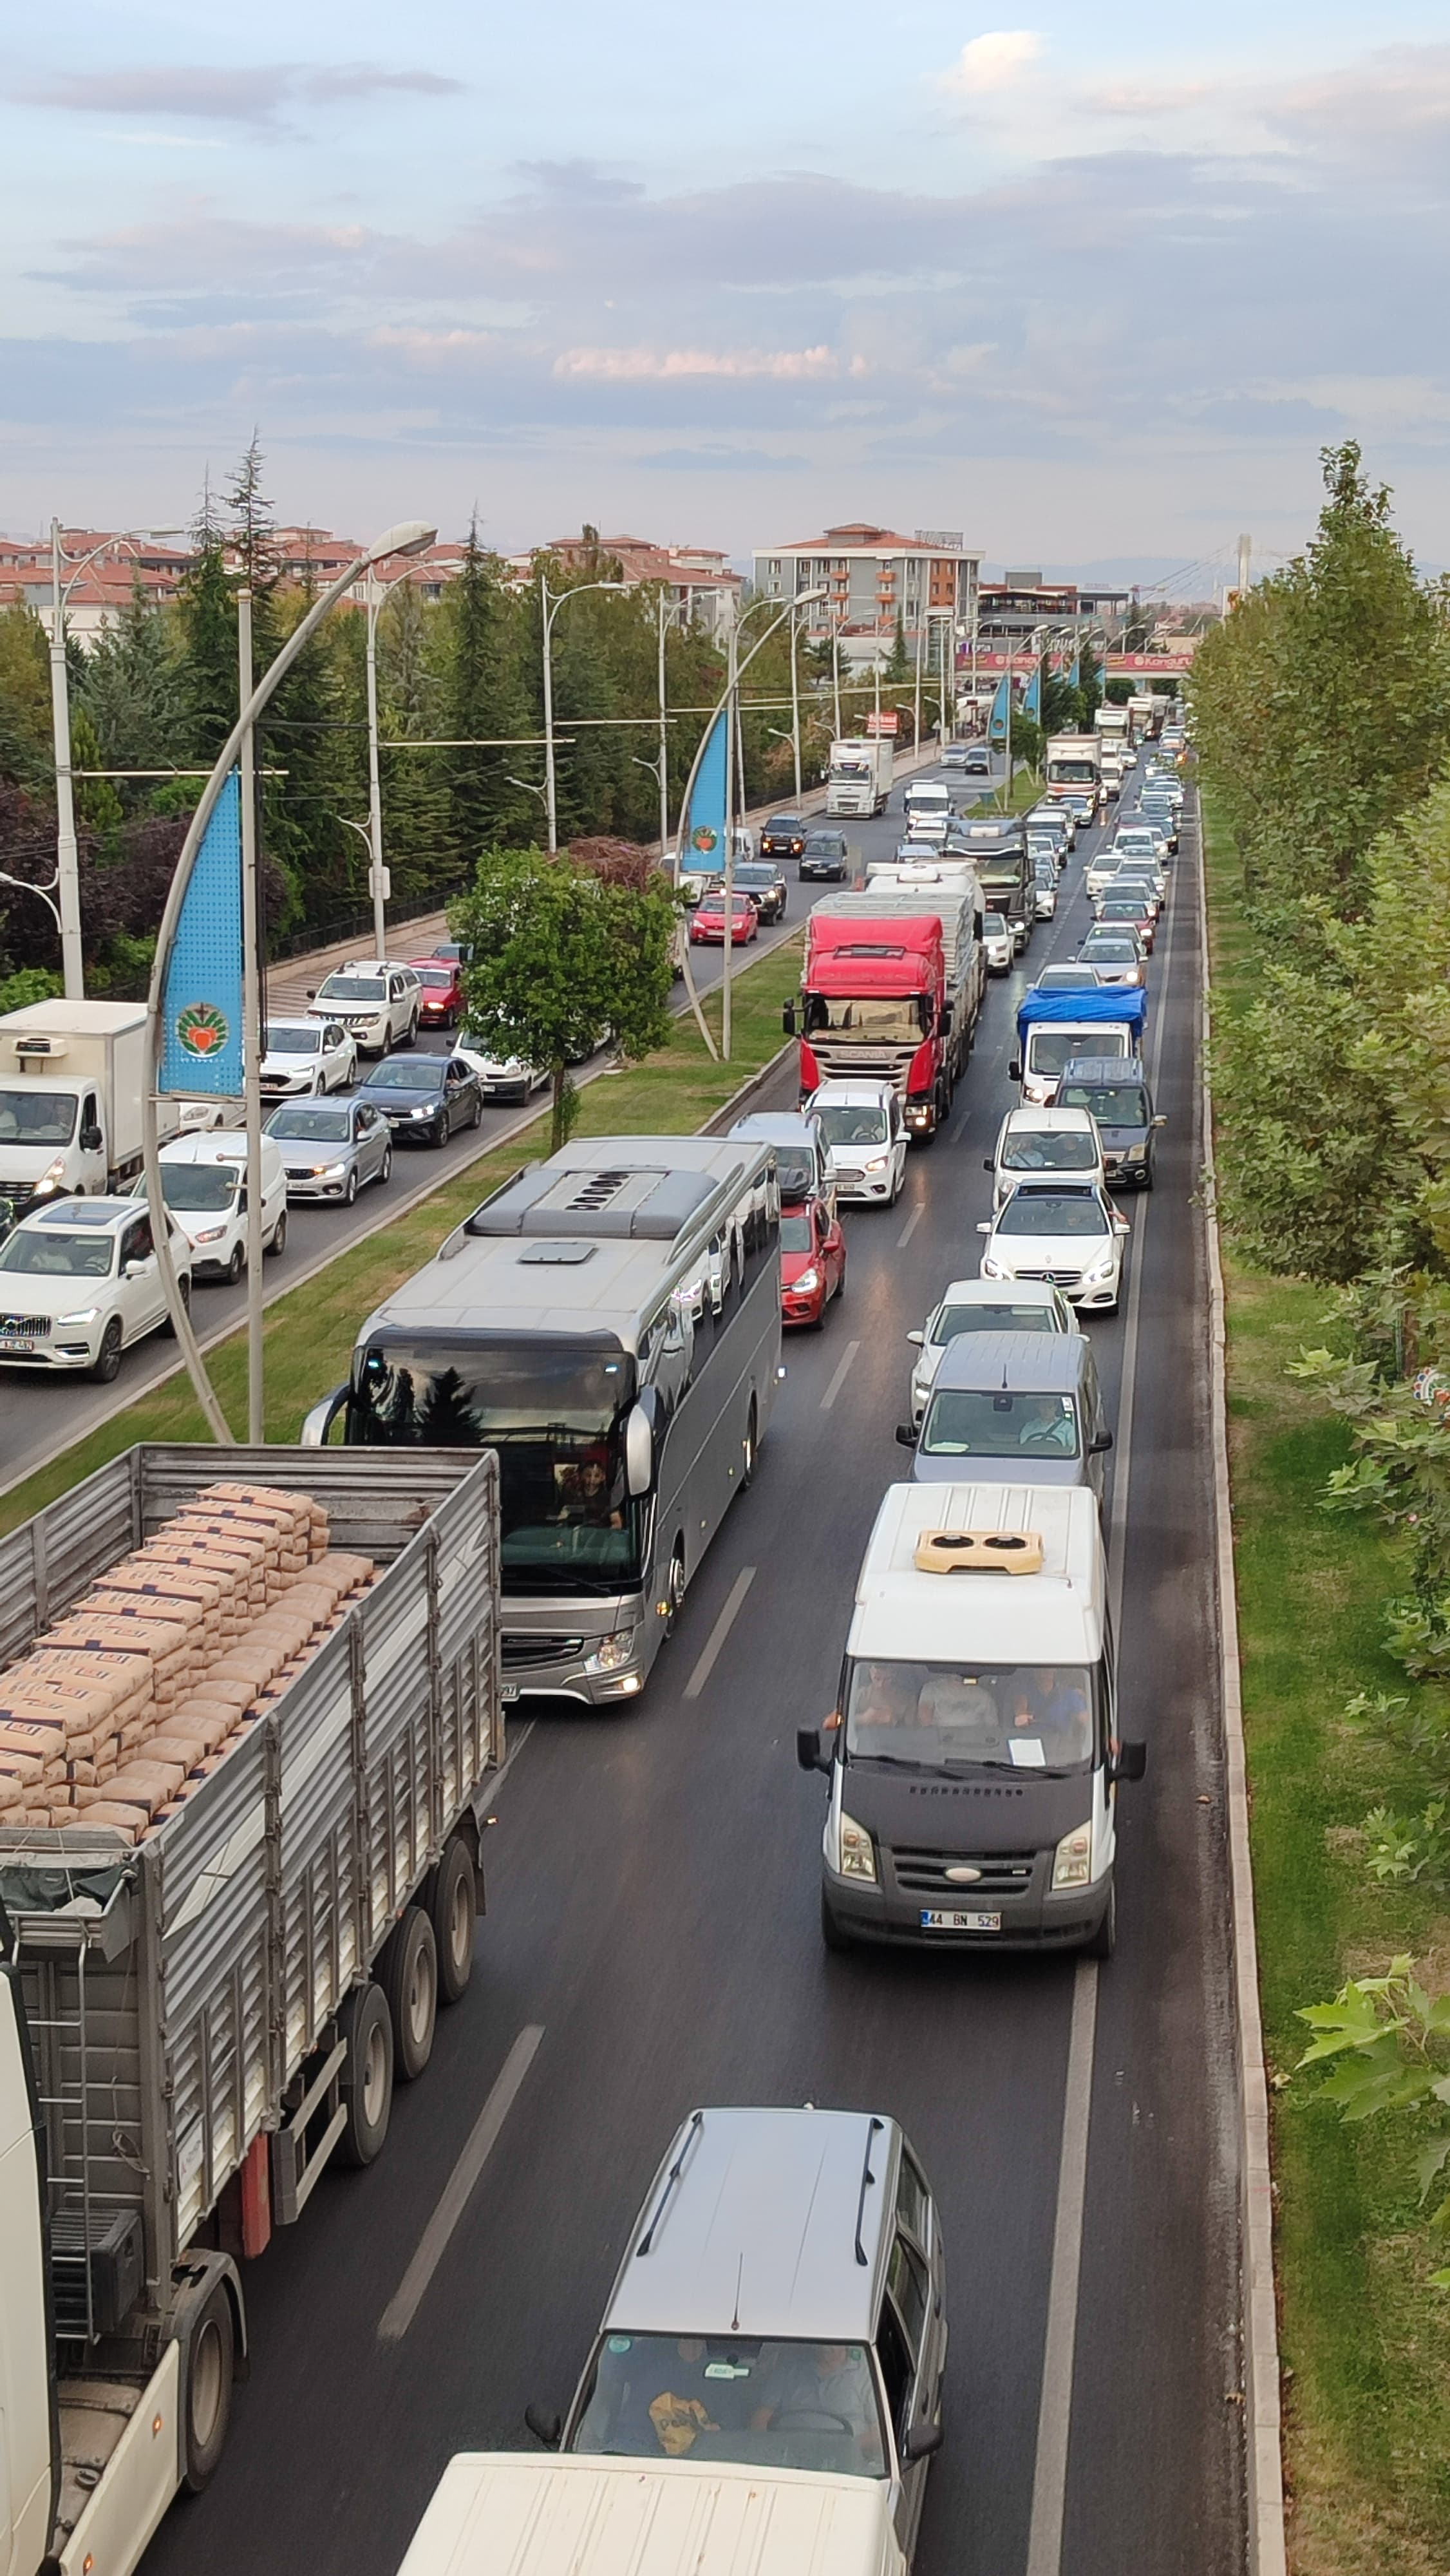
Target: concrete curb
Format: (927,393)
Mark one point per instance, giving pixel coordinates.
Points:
(1263,2427)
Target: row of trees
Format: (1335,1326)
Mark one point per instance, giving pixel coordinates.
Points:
(1322,714)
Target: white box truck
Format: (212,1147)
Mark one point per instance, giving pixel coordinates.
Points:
(859,775)
(1075,774)
(580,2516)
(72,1076)
(191,2024)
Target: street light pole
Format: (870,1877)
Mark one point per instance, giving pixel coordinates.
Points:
(836,668)
(411,538)
(550,610)
(795,707)
(251,1033)
(67,871)
(377,594)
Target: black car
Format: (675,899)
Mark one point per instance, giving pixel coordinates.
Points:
(762,880)
(783,837)
(424,1097)
(1114,1090)
(825,854)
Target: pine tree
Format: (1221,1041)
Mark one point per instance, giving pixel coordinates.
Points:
(207,618)
(132,691)
(483,696)
(26,744)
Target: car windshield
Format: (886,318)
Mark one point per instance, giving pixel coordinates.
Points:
(438,979)
(200,1188)
(292,1041)
(999,1717)
(949,1321)
(1050,1149)
(764,2402)
(352,988)
(58,1256)
(414,1076)
(991,1422)
(797,1234)
(750,873)
(309,1120)
(784,823)
(845,1126)
(994,925)
(1112,951)
(1048,1049)
(37,1117)
(1112,1104)
(739,903)
(1066,979)
(1053,1212)
(825,845)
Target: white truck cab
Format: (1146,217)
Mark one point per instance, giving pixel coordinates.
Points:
(72,1076)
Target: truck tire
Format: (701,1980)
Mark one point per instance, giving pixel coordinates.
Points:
(367,2078)
(452,1903)
(408,1975)
(206,2396)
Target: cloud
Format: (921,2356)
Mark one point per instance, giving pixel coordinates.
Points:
(640,366)
(242,94)
(992,62)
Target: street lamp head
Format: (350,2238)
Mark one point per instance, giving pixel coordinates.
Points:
(409,537)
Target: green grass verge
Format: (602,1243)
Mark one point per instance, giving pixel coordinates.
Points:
(310,1332)
(1366,2346)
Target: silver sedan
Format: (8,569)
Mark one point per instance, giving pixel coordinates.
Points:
(331,1149)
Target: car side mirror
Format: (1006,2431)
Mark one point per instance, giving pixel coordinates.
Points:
(1162,1119)
(1103,1441)
(787,1019)
(91,1140)
(917,1339)
(905,1436)
(920,2442)
(1130,1762)
(1120,1222)
(983,1225)
(1014,1070)
(810,1754)
(986,1162)
(312,992)
(544,2426)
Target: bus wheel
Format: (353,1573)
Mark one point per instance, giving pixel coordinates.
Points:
(674,1589)
(747,1450)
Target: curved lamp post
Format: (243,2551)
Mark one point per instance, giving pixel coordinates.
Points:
(411,538)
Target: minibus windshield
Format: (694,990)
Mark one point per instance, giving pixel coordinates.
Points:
(970,1717)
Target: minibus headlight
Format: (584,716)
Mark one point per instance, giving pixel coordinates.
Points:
(1072,1863)
(611,1652)
(858,1856)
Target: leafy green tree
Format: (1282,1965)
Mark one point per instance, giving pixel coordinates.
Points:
(133,693)
(561,954)
(26,741)
(97,800)
(899,667)
(1387,2041)
(1118,693)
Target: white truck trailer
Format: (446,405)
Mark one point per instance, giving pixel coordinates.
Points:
(859,775)
(190,2026)
(72,1075)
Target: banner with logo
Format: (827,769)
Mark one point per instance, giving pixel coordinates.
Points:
(999,722)
(702,829)
(202,1010)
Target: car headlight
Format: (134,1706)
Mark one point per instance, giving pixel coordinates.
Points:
(1100,1270)
(992,1269)
(52,1177)
(425,1110)
(877,1163)
(330,1172)
(611,1652)
(856,1850)
(807,1284)
(1072,1862)
(210,1234)
(1135,1154)
(82,1315)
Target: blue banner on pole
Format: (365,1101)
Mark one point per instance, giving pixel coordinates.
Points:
(1032,703)
(202,1008)
(999,722)
(702,829)
(1075,674)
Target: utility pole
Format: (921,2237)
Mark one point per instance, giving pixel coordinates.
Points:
(836,666)
(732,718)
(916,702)
(664,742)
(251,1031)
(550,796)
(795,708)
(376,593)
(68,893)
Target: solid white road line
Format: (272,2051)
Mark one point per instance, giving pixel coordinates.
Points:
(1054,2413)
(718,1634)
(843,1367)
(433,2244)
(912,1222)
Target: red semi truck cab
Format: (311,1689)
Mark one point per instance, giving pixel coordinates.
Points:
(873,1003)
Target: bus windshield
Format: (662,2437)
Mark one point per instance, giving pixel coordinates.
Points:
(554,1410)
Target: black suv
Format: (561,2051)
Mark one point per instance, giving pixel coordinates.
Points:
(1114,1090)
(763,882)
(783,837)
(825,854)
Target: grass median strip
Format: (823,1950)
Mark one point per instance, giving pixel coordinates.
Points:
(1366,2344)
(310,1332)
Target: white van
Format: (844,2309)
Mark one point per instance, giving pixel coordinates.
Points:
(972,1754)
(581,2516)
(1044,1145)
(203,1181)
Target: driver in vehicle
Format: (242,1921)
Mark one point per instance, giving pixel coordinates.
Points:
(1053,1709)
(823,2388)
(885,1696)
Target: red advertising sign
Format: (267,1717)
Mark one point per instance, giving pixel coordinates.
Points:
(888,721)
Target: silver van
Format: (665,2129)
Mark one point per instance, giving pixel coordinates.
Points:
(781,2303)
(1012,1409)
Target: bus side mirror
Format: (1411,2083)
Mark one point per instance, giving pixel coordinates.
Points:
(787,1019)
(639,1451)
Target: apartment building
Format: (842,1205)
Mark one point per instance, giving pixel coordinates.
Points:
(873,576)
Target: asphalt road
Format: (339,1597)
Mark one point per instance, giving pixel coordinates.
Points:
(652,1913)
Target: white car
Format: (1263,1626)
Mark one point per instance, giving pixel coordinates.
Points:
(866,1139)
(1140,840)
(1118,955)
(1100,867)
(203,1181)
(976,1306)
(379,1004)
(504,1077)
(1067,1234)
(1044,1145)
(1044,890)
(79,1282)
(1058,819)
(301,1059)
(998,945)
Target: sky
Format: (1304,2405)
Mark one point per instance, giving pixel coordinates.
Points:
(1091,292)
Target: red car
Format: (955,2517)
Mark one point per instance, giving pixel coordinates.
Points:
(441,999)
(812,1261)
(707,922)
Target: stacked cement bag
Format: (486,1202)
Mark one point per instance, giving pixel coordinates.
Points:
(126,1705)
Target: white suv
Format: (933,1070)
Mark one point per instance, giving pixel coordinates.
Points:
(865,1137)
(379,1004)
(79,1280)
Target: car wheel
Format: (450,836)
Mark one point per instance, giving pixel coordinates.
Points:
(168,1328)
(106,1364)
(236,1265)
(385,1167)
(476,1114)
(278,1244)
(349,1195)
(410,1034)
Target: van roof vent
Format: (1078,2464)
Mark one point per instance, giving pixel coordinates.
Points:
(991,1551)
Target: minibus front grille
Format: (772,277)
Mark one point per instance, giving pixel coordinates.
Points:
(924,1873)
(536,1648)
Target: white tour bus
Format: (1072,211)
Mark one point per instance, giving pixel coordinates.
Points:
(609,1322)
